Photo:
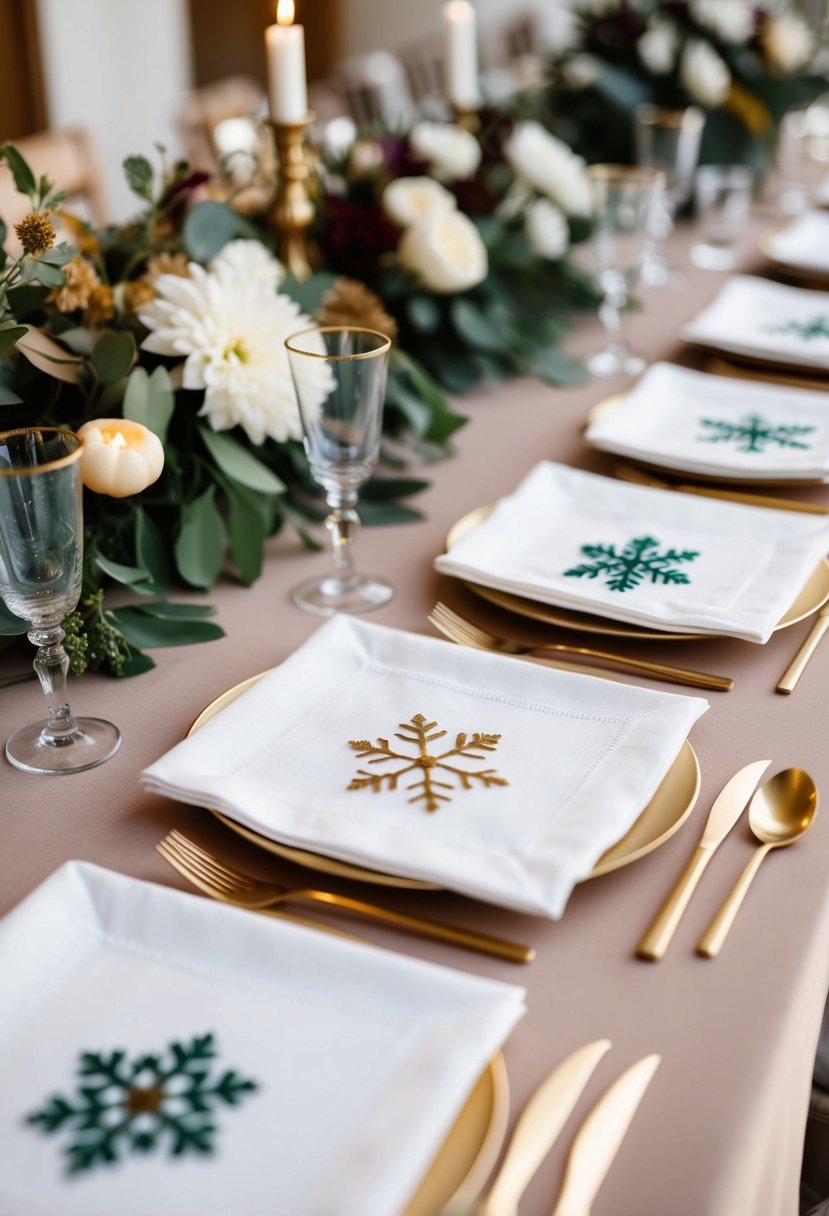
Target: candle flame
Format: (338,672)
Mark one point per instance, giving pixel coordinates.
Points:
(285,12)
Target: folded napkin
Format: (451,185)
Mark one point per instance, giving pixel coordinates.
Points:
(513,779)
(803,243)
(650,557)
(715,425)
(331,1071)
(765,320)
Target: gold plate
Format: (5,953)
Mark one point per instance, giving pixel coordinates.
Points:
(610,404)
(812,595)
(667,810)
(466,1158)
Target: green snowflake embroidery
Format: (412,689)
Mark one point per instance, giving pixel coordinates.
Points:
(627,569)
(136,1104)
(753,433)
(816,327)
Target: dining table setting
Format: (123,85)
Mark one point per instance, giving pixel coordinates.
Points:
(479,867)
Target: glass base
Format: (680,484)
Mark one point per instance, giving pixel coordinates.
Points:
(325,596)
(616,360)
(713,257)
(657,271)
(33,750)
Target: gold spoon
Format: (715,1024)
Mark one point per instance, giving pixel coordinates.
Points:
(781,811)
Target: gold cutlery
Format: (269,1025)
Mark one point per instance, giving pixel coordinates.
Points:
(538,1128)
(231,886)
(600,1137)
(781,811)
(640,477)
(721,819)
(722,367)
(794,671)
(456,627)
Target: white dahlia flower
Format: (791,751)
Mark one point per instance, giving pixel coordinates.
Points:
(231,332)
(250,260)
(550,167)
(451,151)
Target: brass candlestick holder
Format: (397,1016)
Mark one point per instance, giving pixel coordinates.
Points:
(467,117)
(293,210)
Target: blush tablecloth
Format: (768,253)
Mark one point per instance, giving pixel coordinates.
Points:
(721,1130)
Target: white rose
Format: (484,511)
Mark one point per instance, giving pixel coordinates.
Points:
(658,47)
(787,42)
(444,249)
(731,20)
(547,230)
(704,74)
(550,167)
(450,151)
(581,71)
(408,199)
(250,261)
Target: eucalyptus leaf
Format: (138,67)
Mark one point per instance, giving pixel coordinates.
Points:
(201,542)
(128,575)
(177,611)
(424,313)
(247,532)
(34,271)
(207,229)
(384,489)
(554,366)
(142,629)
(473,325)
(376,514)
(151,551)
(137,663)
(239,464)
(308,294)
(149,399)
(8,337)
(113,356)
(139,174)
(24,179)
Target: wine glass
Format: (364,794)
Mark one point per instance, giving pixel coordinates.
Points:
(623,198)
(339,374)
(666,139)
(41,562)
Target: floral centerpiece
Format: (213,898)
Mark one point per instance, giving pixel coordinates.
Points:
(745,63)
(465,238)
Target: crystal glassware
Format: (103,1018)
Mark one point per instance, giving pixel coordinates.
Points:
(339,374)
(623,198)
(41,562)
(723,202)
(666,139)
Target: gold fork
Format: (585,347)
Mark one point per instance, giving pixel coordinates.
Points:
(466,634)
(231,886)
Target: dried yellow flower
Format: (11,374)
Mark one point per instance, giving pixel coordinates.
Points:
(36,232)
(168,263)
(132,295)
(348,302)
(81,277)
(101,305)
(80,232)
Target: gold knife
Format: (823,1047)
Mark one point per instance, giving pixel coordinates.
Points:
(747,498)
(600,1136)
(538,1127)
(724,814)
(794,671)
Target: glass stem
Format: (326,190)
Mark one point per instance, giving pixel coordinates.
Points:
(341,524)
(51,664)
(613,317)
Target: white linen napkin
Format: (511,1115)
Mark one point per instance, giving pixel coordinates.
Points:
(681,419)
(361,1058)
(579,541)
(540,771)
(803,242)
(765,320)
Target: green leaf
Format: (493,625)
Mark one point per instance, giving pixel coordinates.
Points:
(474,326)
(200,545)
(309,293)
(374,514)
(139,175)
(248,533)
(554,366)
(444,419)
(207,229)
(10,625)
(384,489)
(128,575)
(150,400)
(113,356)
(33,270)
(240,464)
(423,313)
(137,663)
(178,611)
(24,179)
(8,396)
(8,337)
(151,552)
(141,629)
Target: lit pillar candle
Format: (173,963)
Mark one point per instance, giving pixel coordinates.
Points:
(285,45)
(461,54)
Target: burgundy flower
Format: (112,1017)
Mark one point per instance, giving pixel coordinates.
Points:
(399,159)
(617,32)
(475,196)
(356,237)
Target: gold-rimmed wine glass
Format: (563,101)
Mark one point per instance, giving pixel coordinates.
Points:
(339,374)
(41,563)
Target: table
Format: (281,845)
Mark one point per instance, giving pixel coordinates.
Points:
(720,1131)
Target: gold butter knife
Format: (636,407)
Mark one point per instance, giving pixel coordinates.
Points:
(600,1136)
(794,671)
(538,1127)
(724,814)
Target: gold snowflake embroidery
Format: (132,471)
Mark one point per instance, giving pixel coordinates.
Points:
(429,787)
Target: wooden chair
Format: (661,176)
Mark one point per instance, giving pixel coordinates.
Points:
(207,108)
(374,88)
(69,158)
